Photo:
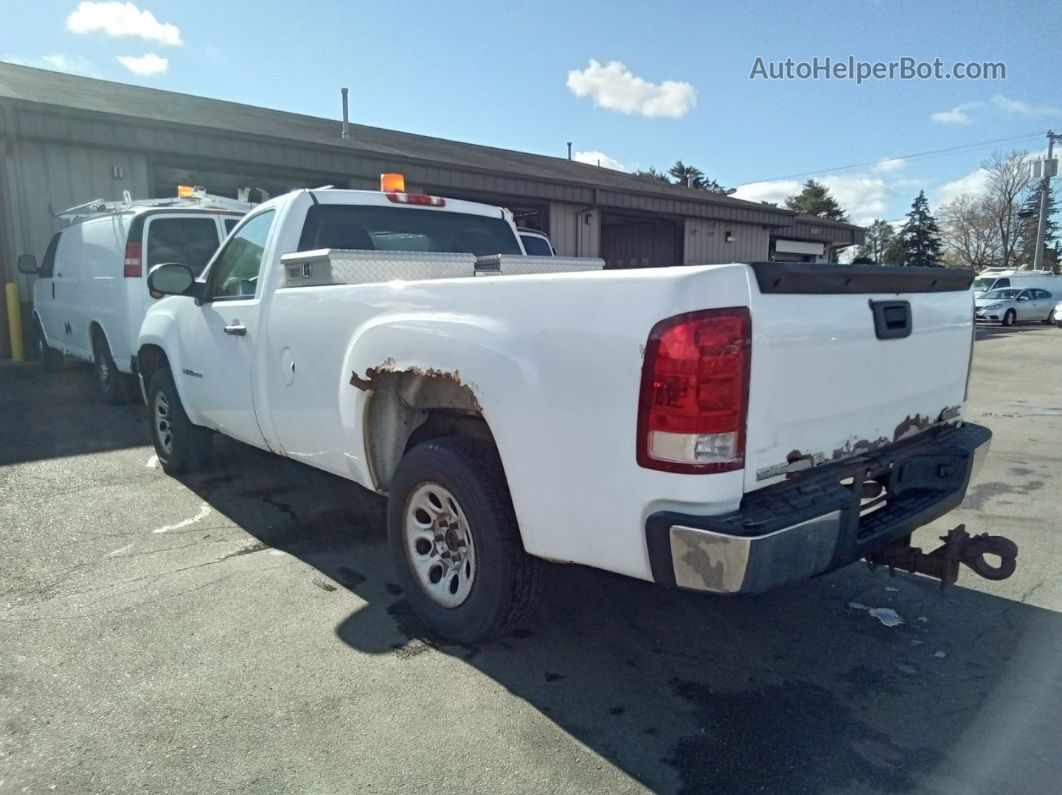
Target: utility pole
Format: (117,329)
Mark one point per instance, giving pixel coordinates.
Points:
(1050,168)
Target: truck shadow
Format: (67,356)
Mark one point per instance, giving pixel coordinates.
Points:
(799,690)
(74,422)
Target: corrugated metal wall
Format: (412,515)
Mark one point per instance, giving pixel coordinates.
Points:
(41,179)
(575,231)
(706,244)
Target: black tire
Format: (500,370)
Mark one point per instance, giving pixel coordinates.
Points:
(49,358)
(187,446)
(114,385)
(505,578)
(1050,319)
(1009,317)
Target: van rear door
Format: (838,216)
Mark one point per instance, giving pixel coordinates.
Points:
(188,238)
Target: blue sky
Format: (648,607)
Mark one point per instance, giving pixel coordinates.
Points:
(524,78)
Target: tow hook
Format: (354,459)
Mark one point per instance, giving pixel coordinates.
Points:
(943,562)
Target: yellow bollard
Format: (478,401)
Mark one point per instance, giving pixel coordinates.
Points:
(14,322)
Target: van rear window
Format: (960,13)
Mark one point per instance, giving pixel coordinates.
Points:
(189,241)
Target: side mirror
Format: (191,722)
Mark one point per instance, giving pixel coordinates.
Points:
(171,279)
(27,263)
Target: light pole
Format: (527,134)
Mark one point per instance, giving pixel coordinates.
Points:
(1045,187)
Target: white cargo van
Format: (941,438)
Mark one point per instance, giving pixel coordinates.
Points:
(998,278)
(91,292)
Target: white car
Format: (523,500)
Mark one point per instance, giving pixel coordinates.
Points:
(722,428)
(1056,316)
(91,292)
(1012,305)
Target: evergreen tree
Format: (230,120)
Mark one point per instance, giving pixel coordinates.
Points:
(652,174)
(693,177)
(920,242)
(815,199)
(878,237)
(1030,219)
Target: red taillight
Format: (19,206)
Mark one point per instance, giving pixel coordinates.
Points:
(133,265)
(416,198)
(694,396)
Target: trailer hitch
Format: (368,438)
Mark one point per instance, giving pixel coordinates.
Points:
(943,562)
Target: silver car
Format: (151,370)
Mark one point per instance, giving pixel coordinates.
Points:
(1011,305)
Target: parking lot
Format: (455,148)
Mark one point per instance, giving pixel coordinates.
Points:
(240,630)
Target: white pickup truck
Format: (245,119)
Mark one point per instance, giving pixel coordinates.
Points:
(724,428)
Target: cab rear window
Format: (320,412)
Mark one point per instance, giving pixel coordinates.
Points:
(405,229)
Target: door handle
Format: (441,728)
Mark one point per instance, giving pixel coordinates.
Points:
(236,328)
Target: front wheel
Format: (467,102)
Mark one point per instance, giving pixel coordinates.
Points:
(455,543)
(180,445)
(1009,317)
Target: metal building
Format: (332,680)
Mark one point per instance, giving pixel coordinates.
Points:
(65,140)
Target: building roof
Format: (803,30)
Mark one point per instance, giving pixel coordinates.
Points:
(23,84)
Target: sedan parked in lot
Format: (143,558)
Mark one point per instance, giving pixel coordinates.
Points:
(1009,306)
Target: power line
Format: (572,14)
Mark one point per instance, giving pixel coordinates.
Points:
(930,153)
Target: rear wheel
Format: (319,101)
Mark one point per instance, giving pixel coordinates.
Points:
(1009,317)
(49,358)
(1050,317)
(180,445)
(114,385)
(455,543)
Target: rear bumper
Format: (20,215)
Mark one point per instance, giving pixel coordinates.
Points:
(811,524)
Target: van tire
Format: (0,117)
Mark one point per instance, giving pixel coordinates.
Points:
(50,359)
(505,578)
(180,445)
(114,386)
(1009,317)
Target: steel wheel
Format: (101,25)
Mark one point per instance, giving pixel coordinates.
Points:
(163,426)
(439,545)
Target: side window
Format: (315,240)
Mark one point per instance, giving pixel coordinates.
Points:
(189,241)
(1001,283)
(1042,294)
(1025,295)
(234,273)
(230,224)
(48,263)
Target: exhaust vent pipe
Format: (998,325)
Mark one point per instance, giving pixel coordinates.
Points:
(346,118)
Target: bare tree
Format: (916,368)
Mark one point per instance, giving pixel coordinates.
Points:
(971,233)
(1009,179)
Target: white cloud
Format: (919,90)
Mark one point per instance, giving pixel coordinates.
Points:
(1017,107)
(863,196)
(888,165)
(75,64)
(957,115)
(145,65)
(121,19)
(773,191)
(973,184)
(615,87)
(599,159)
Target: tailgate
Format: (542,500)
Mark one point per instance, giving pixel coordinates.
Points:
(829,381)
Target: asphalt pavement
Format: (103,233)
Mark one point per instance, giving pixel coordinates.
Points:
(241,631)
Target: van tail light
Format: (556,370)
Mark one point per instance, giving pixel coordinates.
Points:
(694,395)
(134,267)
